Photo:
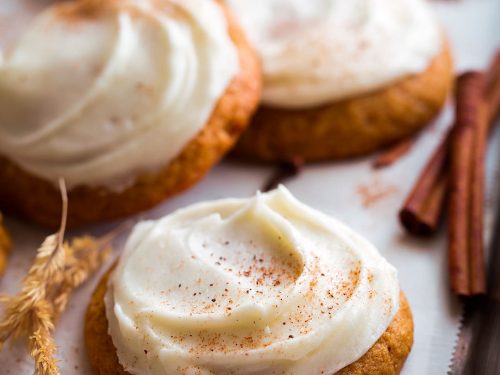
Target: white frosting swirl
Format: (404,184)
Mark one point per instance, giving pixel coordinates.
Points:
(264,285)
(318,51)
(98,98)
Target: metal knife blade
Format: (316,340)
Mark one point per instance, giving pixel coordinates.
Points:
(477,351)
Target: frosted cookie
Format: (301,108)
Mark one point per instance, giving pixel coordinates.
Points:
(342,78)
(129,101)
(261,285)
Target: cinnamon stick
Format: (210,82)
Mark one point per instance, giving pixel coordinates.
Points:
(284,170)
(477,274)
(466,187)
(423,209)
(394,153)
(492,92)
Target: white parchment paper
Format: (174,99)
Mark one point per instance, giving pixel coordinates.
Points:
(364,198)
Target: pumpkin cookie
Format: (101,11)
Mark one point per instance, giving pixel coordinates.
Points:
(5,243)
(339,82)
(351,127)
(154,95)
(387,356)
(246,294)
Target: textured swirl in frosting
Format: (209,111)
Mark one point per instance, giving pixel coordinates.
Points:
(100,96)
(319,51)
(264,285)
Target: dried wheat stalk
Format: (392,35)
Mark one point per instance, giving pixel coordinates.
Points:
(59,267)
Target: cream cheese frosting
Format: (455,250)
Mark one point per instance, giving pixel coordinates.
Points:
(99,96)
(265,285)
(318,51)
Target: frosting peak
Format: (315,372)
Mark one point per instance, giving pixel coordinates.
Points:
(100,98)
(244,286)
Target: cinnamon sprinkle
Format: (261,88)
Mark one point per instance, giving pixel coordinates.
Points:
(374,192)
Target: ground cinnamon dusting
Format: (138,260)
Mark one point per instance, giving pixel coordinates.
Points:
(300,321)
(374,192)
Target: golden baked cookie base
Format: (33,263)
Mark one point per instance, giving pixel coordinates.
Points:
(385,357)
(5,243)
(350,127)
(39,200)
